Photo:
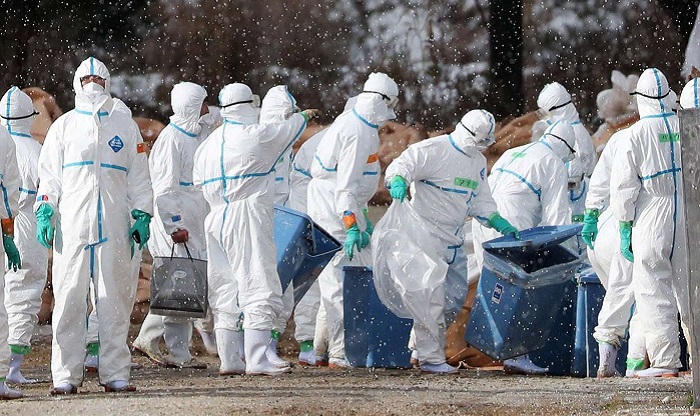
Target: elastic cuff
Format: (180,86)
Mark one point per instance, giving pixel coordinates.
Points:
(275,335)
(20,349)
(306,346)
(635,364)
(93,348)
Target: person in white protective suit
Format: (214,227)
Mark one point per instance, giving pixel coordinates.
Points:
(179,213)
(234,167)
(613,270)
(645,196)
(93,175)
(23,287)
(529,184)
(690,95)
(345,174)
(449,175)
(309,317)
(555,104)
(10,181)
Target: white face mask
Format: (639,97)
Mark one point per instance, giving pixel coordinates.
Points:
(207,119)
(93,91)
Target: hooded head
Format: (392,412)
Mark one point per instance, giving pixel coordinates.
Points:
(17,112)
(378,99)
(186,100)
(278,105)
(690,96)
(652,92)
(476,129)
(239,104)
(91,96)
(554,103)
(561,138)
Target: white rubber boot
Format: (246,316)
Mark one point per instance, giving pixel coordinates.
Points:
(272,356)
(657,372)
(228,343)
(523,365)
(443,368)
(15,375)
(208,339)
(177,337)
(256,344)
(607,354)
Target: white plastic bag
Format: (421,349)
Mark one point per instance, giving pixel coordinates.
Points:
(408,264)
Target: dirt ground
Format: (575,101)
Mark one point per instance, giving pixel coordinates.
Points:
(320,391)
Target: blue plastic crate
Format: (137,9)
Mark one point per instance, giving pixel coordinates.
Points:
(374,336)
(302,248)
(520,291)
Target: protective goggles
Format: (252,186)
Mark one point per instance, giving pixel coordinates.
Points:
(571,149)
(544,113)
(254,101)
(34,113)
(393,101)
(91,78)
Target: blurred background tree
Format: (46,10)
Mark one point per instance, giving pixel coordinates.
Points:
(448,56)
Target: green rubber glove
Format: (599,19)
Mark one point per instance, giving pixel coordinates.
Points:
(398,187)
(353,239)
(139,232)
(370,228)
(626,240)
(14,262)
(502,225)
(577,218)
(589,232)
(44,229)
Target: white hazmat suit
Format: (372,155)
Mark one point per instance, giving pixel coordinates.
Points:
(23,287)
(234,167)
(92,173)
(646,190)
(345,174)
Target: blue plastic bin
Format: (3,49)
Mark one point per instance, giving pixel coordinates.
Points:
(520,291)
(302,248)
(558,350)
(374,336)
(589,301)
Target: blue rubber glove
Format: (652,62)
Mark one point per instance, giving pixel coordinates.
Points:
(370,228)
(14,262)
(502,225)
(626,240)
(589,232)
(398,187)
(139,232)
(44,229)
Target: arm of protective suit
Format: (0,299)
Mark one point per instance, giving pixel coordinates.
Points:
(165,167)
(554,198)
(624,183)
(277,138)
(9,179)
(51,168)
(413,164)
(139,190)
(585,148)
(352,158)
(483,205)
(598,196)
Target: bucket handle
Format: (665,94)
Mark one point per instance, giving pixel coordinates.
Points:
(172,252)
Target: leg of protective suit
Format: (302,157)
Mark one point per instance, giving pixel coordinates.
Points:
(305,314)
(331,286)
(71,283)
(321,331)
(618,303)
(151,332)
(23,287)
(93,324)
(653,280)
(177,334)
(636,345)
(456,283)
(280,323)
(4,347)
(115,283)
(222,285)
